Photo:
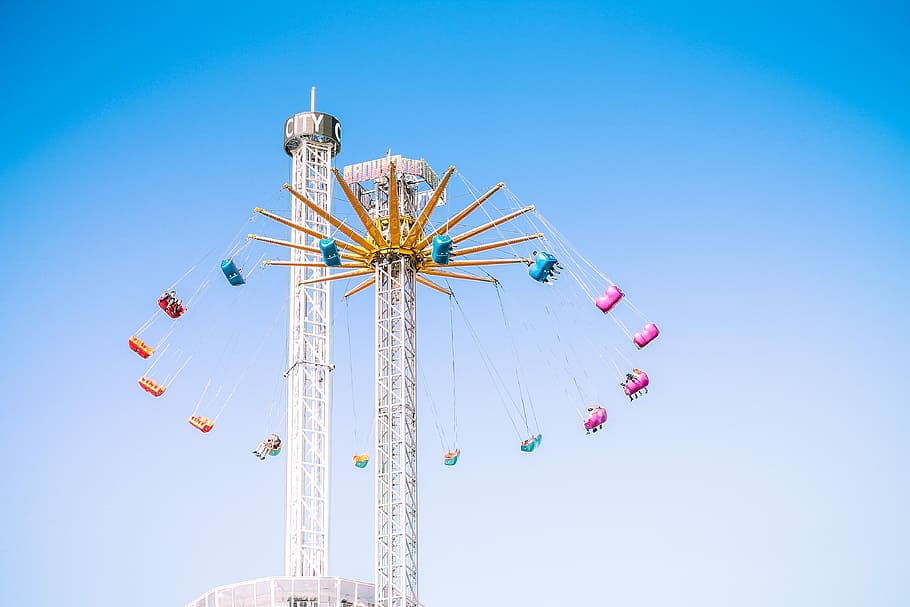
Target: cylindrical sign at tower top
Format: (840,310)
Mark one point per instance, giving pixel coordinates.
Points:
(312,125)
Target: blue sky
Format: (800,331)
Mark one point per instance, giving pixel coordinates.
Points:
(742,172)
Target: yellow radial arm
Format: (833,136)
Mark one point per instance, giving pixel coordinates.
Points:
(366,283)
(337,223)
(457,219)
(432,285)
(336,276)
(394,216)
(468,263)
(417,229)
(491,225)
(296,226)
(291,245)
(370,227)
(311,264)
(435,272)
(493,245)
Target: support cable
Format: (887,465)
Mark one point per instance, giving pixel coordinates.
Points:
(249,365)
(171,378)
(454,381)
(498,383)
(201,397)
(425,386)
(517,359)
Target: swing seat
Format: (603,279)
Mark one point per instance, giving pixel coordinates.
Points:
(329,249)
(232,272)
(451,458)
(361,460)
(169,303)
(610,298)
(596,418)
(542,269)
(175,310)
(140,347)
(636,384)
(203,424)
(442,249)
(275,451)
(531,444)
(151,386)
(646,335)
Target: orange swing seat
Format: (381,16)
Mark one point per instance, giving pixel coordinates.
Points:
(140,347)
(202,424)
(151,386)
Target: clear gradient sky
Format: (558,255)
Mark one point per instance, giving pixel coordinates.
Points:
(742,171)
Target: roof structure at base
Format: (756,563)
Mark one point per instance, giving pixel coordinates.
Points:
(290,592)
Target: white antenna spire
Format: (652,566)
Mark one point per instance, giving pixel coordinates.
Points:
(313,99)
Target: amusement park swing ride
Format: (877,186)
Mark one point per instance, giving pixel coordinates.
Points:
(395,247)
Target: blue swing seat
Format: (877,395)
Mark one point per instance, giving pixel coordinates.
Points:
(442,249)
(232,272)
(329,249)
(542,269)
(531,444)
(451,458)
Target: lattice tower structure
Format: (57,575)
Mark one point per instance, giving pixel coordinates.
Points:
(396,405)
(309,382)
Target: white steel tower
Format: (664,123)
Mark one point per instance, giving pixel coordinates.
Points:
(399,256)
(396,403)
(312,140)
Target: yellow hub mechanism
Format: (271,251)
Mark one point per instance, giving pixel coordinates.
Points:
(398,235)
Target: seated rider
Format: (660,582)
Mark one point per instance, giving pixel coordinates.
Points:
(263,448)
(629,377)
(176,307)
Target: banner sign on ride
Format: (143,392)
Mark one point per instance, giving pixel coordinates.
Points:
(374,169)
